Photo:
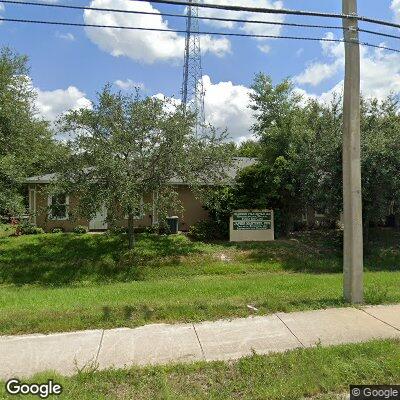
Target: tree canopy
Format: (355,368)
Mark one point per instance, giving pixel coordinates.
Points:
(285,144)
(128,147)
(27,146)
(300,155)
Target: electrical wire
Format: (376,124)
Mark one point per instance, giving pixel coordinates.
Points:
(283,11)
(164,14)
(201,32)
(388,35)
(262,10)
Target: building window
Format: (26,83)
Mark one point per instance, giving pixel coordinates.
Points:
(58,206)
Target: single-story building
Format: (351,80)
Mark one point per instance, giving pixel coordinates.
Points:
(49,212)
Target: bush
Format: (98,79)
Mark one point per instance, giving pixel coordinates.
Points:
(27,228)
(80,229)
(117,230)
(209,230)
(57,230)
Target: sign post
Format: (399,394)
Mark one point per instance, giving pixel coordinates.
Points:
(252,225)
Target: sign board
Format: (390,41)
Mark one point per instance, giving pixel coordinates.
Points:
(252,225)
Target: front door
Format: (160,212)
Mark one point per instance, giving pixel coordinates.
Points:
(99,223)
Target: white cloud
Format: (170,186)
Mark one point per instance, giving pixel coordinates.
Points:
(69,37)
(380,71)
(171,102)
(264,48)
(256,29)
(324,98)
(317,72)
(226,106)
(51,104)
(144,46)
(395,6)
(128,84)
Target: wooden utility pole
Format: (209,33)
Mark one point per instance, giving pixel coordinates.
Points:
(352,203)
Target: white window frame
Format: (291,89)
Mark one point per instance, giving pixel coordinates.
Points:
(50,203)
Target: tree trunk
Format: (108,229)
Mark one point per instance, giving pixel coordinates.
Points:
(131,231)
(287,223)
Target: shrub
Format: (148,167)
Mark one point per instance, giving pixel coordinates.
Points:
(149,229)
(80,229)
(57,230)
(209,230)
(27,228)
(117,230)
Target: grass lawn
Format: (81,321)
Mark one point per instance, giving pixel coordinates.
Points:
(6,230)
(317,373)
(60,282)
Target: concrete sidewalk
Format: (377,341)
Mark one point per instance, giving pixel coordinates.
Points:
(65,353)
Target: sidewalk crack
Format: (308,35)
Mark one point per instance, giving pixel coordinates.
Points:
(198,340)
(283,322)
(98,350)
(378,319)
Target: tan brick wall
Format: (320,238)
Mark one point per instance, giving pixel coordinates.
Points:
(42,218)
(193,209)
(193,212)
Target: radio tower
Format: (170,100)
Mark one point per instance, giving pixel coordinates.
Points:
(192,87)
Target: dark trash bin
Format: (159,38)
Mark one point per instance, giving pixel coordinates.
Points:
(173,224)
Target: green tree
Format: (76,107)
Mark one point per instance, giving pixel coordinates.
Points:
(27,146)
(128,147)
(325,183)
(286,144)
(249,148)
(380,158)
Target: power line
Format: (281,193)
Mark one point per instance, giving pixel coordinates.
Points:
(262,10)
(388,35)
(221,19)
(283,11)
(30,21)
(378,22)
(163,14)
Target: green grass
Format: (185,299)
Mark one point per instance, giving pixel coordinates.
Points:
(61,282)
(317,373)
(6,230)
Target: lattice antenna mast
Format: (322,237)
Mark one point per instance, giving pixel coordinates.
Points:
(192,87)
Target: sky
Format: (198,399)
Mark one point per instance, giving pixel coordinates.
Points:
(69,65)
